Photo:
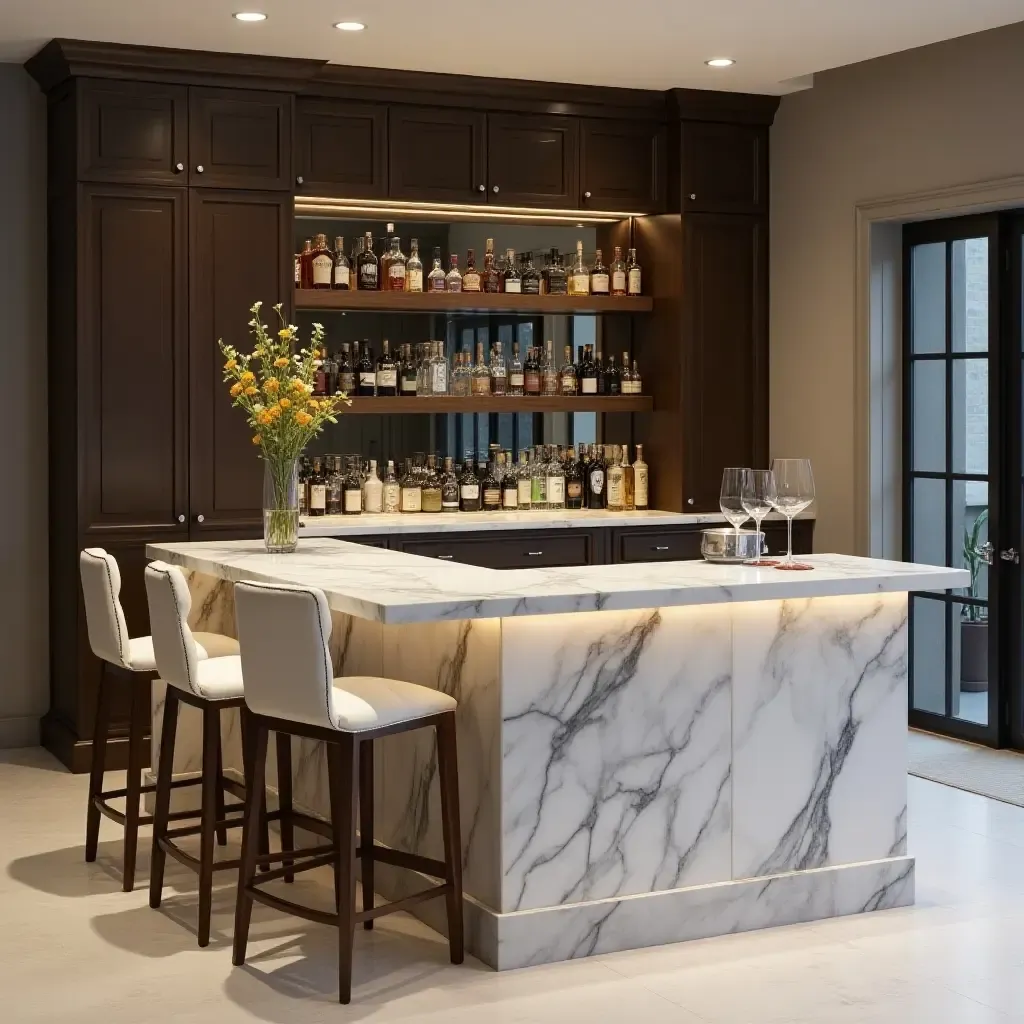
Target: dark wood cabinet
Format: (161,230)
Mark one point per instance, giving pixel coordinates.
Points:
(682,543)
(622,165)
(509,549)
(532,160)
(341,149)
(240,139)
(724,167)
(437,155)
(240,243)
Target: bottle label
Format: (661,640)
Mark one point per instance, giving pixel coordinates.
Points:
(368,276)
(558,286)
(353,501)
(574,489)
(317,496)
(373,497)
(431,500)
(510,497)
(581,284)
(396,276)
(533,383)
(525,491)
(556,490)
(640,487)
(589,385)
(471,282)
(452,503)
(322,267)
(568,385)
(439,379)
(436,284)
(454,284)
(346,382)
(614,490)
(298,270)
(481,386)
(387,378)
(408,385)
(414,281)
(367,380)
(599,284)
(492,496)
(469,492)
(515,380)
(412,499)
(391,496)
(530,286)
(634,281)
(550,382)
(513,285)
(596,481)
(340,277)
(619,281)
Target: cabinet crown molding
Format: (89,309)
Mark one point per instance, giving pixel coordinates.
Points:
(731,107)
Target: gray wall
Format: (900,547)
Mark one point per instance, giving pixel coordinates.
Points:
(24,681)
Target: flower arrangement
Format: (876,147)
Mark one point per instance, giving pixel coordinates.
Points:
(273,386)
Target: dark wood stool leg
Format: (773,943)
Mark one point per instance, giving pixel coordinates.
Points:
(342,771)
(208,818)
(163,795)
(448,771)
(284,798)
(254,740)
(366,824)
(99,755)
(222,832)
(137,760)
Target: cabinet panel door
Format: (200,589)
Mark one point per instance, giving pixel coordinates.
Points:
(240,244)
(132,132)
(532,160)
(725,274)
(725,167)
(622,165)
(240,139)
(133,357)
(437,155)
(341,149)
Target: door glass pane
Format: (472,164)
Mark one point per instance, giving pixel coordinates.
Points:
(970,663)
(928,622)
(968,307)
(929,408)
(929,525)
(970,533)
(928,308)
(969,400)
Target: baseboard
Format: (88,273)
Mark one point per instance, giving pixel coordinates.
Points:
(19,732)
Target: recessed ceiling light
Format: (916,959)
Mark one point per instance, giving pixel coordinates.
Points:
(720,62)
(250,16)
(350,26)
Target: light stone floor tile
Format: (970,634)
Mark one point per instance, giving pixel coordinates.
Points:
(73,946)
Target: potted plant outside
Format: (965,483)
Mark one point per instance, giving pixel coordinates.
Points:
(974,617)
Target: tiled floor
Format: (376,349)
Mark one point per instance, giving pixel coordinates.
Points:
(74,947)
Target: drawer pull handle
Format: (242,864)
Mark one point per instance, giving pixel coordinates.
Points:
(660,547)
(446,558)
(534,554)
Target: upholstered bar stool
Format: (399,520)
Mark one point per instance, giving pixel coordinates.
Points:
(128,659)
(212,685)
(290,688)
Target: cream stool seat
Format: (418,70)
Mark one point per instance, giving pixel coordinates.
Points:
(370,702)
(208,645)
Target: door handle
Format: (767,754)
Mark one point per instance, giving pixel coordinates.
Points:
(1009,555)
(660,547)
(535,554)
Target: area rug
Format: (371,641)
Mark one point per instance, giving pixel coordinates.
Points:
(998,774)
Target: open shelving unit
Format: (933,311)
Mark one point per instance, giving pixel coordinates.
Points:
(500,403)
(308,299)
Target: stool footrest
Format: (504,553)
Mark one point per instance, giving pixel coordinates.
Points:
(193,862)
(288,907)
(194,830)
(413,861)
(315,861)
(403,904)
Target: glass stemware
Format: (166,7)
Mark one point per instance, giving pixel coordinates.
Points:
(730,500)
(758,496)
(794,485)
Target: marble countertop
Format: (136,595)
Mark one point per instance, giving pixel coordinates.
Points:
(396,587)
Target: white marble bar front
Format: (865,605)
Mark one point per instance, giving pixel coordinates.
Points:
(648,752)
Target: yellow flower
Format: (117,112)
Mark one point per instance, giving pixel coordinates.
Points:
(303,418)
(313,403)
(230,364)
(281,361)
(256,439)
(271,386)
(236,390)
(248,377)
(284,403)
(252,390)
(264,418)
(285,332)
(297,385)
(274,411)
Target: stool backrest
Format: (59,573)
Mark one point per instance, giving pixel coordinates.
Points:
(283,634)
(104,618)
(174,647)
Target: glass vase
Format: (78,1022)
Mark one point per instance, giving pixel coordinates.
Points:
(280,505)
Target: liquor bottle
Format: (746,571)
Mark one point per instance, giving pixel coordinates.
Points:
(524,481)
(490,277)
(329,366)
(512,279)
(317,489)
(411,499)
(471,278)
(340,281)
(449,487)
(391,490)
(628,481)
(353,493)
(397,266)
(453,279)
(335,485)
(632,274)
(303,486)
(567,378)
(306,264)
(601,382)
(414,268)
(616,481)
(435,279)
(573,481)
(599,279)
(438,370)
(558,279)
(579,276)
(322,263)
(469,487)
(346,373)
(480,376)
(431,486)
(641,481)
(353,262)
(373,490)
(597,480)
(509,483)
(298,270)
(539,479)
(548,373)
(531,372)
(499,371)
(636,385)
(460,383)
(618,272)
(387,372)
(366,374)
(555,479)
(612,377)
(491,490)
(407,373)
(588,374)
(516,379)
(368,266)
(529,281)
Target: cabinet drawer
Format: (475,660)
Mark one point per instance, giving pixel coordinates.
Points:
(657,546)
(510,550)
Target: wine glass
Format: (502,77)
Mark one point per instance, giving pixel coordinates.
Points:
(758,498)
(794,486)
(730,500)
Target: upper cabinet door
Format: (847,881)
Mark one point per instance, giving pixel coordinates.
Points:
(240,139)
(725,167)
(532,160)
(341,149)
(437,155)
(132,132)
(622,165)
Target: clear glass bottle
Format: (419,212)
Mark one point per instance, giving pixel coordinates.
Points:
(481,376)
(616,481)
(597,479)
(469,487)
(499,371)
(471,278)
(391,489)
(641,481)
(387,373)
(397,266)
(555,471)
(628,481)
(567,377)
(490,497)
(512,279)
(453,279)
(633,276)
(509,483)
(524,481)
(335,485)
(368,266)
(618,272)
(414,268)
(539,479)
(573,481)
(353,487)
(490,276)
(449,487)
(438,370)
(431,490)
(460,376)
(549,383)
(322,263)
(412,490)
(558,279)
(579,276)
(340,280)
(600,281)
(516,377)
(373,490)
(530,279)
(436,278)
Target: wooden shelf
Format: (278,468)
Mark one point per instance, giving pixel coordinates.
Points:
(468,302)
(497,403)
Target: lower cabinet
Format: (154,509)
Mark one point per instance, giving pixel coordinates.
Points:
(510,549)
(682,543)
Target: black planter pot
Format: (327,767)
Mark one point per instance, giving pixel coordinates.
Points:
(973,656)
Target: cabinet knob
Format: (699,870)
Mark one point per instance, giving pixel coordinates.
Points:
(689,501)
(535,554)
(586,195)
(178,168)
(199,168)
(200,518)
(693,195)
(482,188)
(181,518)
(495,189)
(445,558)
(299,180)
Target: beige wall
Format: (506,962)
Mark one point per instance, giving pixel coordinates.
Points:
(24,675)
(944,115)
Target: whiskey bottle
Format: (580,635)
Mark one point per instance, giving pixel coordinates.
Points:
(469,487)
(499,371)
(601,382)
(346,372)
(641,481)
(438,370)
(567,378)
(579,277)
(529,281)
(391,490)
(628,481)
(407,374)
(431,491)
(460,382)
(516,380)
(632,274)
(524,484)
(414,268)
(599,279)
(491,496)
(335,484)
(490,278)
(449,487)
(549,383)
(306,264)
(597,480)
(539,479)
(353,487)
(636,384)
(471,278)
(612,377)
(616,481)
(368,266)
(453,279)
(366,374)
(588,374)
(573,481)
(397,265)
(317,489)
(555,472)
(512,281)
(340,281)
(373,490)
(387,372)
(480,376)
(322,263)
(435,279)
(558,279)
(411,499)
(509,483)
(531,373)
(618,272)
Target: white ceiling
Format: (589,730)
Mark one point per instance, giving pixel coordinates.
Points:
(654,44)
